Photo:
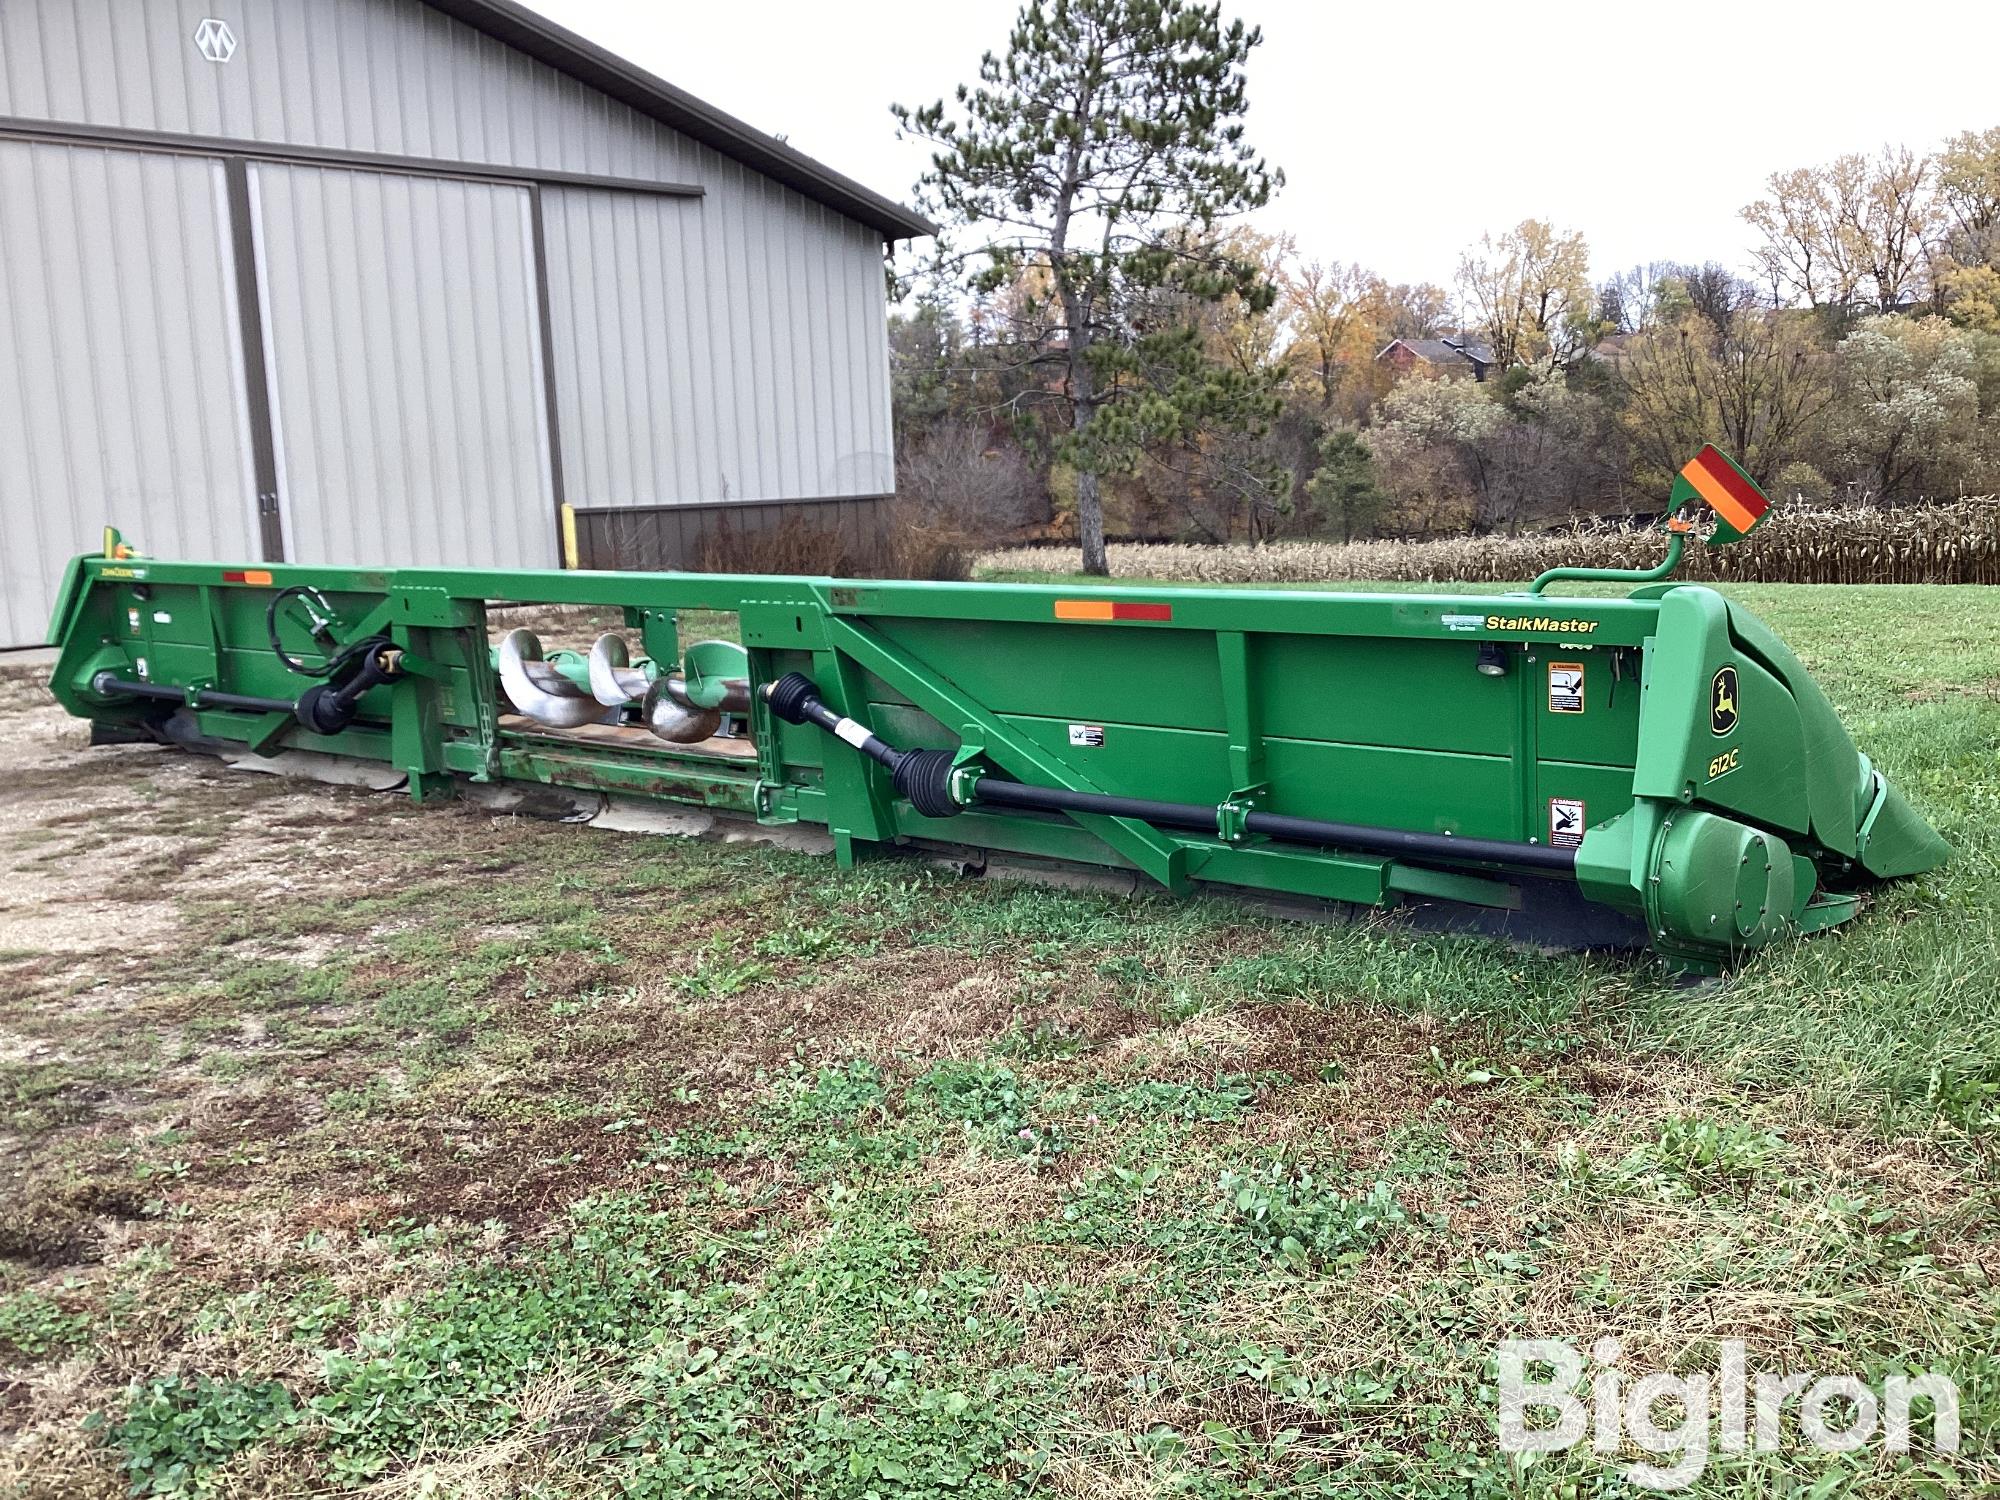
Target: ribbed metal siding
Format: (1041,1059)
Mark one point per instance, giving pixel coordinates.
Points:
(790,399)
(631,349)
(363,75)
(726,349)
(406,369)
(787,296)
(121,384)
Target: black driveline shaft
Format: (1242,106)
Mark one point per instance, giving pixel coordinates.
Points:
(924,777)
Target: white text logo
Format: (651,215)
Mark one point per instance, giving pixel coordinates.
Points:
(1835,1413)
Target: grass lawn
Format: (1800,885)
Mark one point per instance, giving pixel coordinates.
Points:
(348,1144)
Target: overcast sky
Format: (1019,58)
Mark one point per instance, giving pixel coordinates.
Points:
(1407,129)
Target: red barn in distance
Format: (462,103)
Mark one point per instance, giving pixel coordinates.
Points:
(1439,356)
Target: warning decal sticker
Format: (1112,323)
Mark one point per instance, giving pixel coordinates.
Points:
(1565,687)
(1566,822)
(1086,734)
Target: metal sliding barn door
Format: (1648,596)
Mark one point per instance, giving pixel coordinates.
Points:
(403,346)
(122,397)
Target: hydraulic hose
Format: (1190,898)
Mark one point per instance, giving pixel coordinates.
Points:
(925,778)
(1412,845)
(324,708)
(107,684)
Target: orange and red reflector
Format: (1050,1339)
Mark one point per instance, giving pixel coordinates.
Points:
(247,575)
(1111,609)
(1726,488)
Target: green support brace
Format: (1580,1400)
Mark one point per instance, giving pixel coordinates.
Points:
(1161,857)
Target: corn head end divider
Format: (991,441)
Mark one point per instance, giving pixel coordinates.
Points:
(1659,764)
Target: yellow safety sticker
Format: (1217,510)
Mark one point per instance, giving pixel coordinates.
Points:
(1565,687)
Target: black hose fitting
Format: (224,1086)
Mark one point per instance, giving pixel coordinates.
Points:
(789,695)
(328,708)
(924,777)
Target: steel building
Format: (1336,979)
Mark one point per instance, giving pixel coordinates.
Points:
(394,280)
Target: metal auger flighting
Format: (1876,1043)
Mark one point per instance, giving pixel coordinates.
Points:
(614,680)
(566,691)
(546,691)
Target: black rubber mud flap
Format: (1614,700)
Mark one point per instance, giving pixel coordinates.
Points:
(1553,916)
(102,733)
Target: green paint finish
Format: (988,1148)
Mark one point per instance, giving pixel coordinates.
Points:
(1056,839)
(1598,722)
(710,787)
(1353,878)
(1073,671)
(1894,840)
(1605,717)
(1382,692)
(1137,760)
(1425,791)
(1603,791)
(1722,883)
(1676,545)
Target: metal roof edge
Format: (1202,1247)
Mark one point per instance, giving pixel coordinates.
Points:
(530,32)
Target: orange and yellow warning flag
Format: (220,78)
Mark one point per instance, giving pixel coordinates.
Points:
(1712,477)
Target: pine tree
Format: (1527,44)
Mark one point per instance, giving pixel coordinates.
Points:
(1344,490)
(1085,173)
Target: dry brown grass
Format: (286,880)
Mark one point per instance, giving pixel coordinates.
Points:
(908,544)
(335,1121)
(1951,543)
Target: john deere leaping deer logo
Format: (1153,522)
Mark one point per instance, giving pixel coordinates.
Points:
(1722,701)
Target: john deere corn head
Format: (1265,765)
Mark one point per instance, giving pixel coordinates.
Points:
(1663,757)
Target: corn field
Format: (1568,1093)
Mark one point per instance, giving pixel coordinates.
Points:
(1957,542)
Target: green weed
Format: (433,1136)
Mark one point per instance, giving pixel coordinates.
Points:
(718,975)
(1302,1221)
(175,1431)
(1226,1098)
(36,1325)
(832,1093)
